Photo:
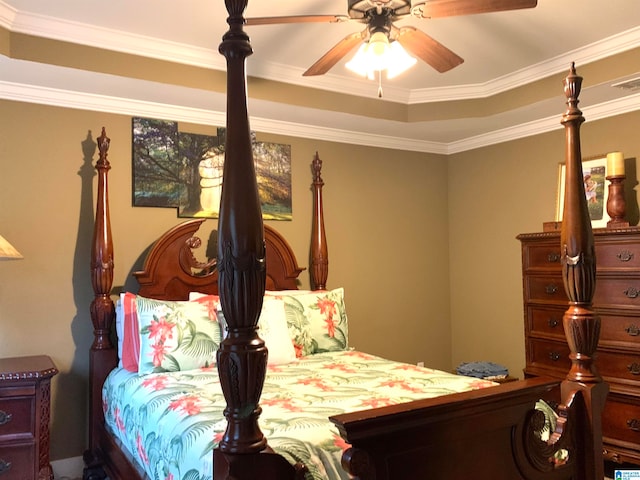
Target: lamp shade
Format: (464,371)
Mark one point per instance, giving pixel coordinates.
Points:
(7,252)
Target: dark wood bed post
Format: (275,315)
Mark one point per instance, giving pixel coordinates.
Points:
(103,356)
(583,390)
(242,357)
(319,252)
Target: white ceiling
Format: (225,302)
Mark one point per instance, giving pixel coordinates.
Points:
(501,51)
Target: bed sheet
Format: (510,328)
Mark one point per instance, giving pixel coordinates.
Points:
(171,422)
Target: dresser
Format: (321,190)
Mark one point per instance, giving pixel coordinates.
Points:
(25,404)
(617,302)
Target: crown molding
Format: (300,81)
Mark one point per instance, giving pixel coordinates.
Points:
(613,45)
(600,111)
(157,48)
(133,107)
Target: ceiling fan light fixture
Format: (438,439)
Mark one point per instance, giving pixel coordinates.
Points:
(379,54)
(378,48)
(399,60)
(359,64)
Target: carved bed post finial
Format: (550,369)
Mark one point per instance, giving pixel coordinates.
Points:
(242,358)
(577,246)
(319,252)
(103,356)
(581,324)
(102,254)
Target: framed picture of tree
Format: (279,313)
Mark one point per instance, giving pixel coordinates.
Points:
(175,169)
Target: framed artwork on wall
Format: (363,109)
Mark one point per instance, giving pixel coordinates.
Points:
(177,169)
(594,171)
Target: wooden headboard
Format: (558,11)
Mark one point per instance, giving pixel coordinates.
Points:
(171,270)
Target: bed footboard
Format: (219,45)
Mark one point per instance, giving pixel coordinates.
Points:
(494,432)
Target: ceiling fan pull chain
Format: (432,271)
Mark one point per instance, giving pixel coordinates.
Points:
(379,83)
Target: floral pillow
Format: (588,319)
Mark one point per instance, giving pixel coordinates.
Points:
(317,321)
(177,335)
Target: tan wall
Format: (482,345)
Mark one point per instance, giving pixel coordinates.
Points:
(495,193)
(379,205)
(456,297)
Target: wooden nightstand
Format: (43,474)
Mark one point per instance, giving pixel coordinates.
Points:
(25,404)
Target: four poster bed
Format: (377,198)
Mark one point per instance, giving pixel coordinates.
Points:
(441,426)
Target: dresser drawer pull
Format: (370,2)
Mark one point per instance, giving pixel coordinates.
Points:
(551,289)
(4,466)
(634,424)
(632,292)
(634,368)
(553,322)
(554,356)
(632,330)
(5,417)
(625,256)
(553,258)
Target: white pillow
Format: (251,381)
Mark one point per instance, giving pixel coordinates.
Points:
(120,326)
(272,328)
(196,295)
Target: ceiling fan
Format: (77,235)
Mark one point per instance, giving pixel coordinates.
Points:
(379,15)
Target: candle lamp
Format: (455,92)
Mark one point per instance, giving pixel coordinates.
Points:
(616,205)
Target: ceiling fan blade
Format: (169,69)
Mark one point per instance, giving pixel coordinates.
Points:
(427,49)
(451,8)
(333,56)
(296,19)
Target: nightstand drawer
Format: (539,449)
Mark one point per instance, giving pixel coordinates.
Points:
(17,462)
(16,417)
(25,405)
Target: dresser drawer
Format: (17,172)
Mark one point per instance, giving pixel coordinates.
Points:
(17,462)
(620,331)
(619,367)
(546,321)
(617,293)
(621,419)
(545,289)
(16,417)
(549,354)
(542,257)
(618,256)
(616,330)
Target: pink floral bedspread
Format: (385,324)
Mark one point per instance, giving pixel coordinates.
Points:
(171,422)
